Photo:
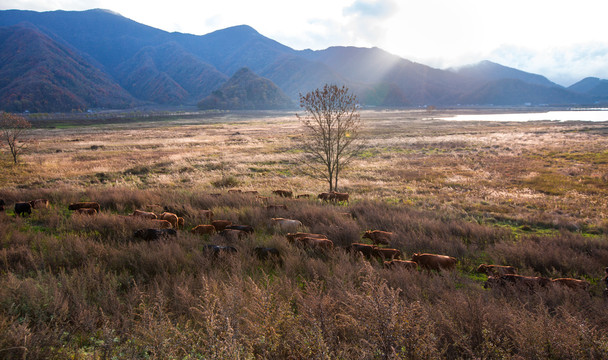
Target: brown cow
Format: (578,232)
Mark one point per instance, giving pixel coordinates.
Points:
(291,237)
(207,214)
(144,214)
(251,192)
(383,253)
(574,284)
(325,196)
(203,230)
(39,204)
(527,282)
(316,243)
(84,205)
(161,224)
(304,196)
(220,225)
(339,197)
(170,217)
(86,211)
(365,249)
(283,193)
(235,191)
(379,237)
(496,269)
(434,261)
(401,264)
(180,222)
(234,234)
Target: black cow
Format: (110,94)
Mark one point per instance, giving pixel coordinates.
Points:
(216,250)
(245,228)
(154,234)
(23,208)
(2,203)
(265,253)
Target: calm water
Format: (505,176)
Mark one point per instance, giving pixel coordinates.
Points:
(568,115)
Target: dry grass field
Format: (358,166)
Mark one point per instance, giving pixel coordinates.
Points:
(531,195)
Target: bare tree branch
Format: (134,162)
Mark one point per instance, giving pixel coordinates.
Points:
(331,122)
(12,132)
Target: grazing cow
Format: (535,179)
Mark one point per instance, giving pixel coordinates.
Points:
(527,282)
(233,234)
(496,269)
(283,193)
(379,237)
(266,253)
(401,264)
(23,208)
(435,262)
(303,196)
(170,217)
(39,204)
(339,197)
(83,205)
(203,230)
(286,225)
(86,211)
(574,284)
(325,196)
(245,228)
(207,214)
(2,204)
(276,207)
(263,199)
(292,237)
(383,253)
(217,250)
(144,214)
(154,234)
(365,249)
(180,222)
(161,224)
(220,225)
(316,243)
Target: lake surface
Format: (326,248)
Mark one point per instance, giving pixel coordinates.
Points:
(566,115)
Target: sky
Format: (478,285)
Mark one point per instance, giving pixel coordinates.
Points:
(565,41)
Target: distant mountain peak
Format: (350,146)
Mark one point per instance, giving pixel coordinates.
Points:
(247,91)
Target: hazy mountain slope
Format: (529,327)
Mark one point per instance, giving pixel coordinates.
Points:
(518,92)
(108,37)
(486,71)
(598,88)
(39,74)
(168,74)
(247,91)
(295,75)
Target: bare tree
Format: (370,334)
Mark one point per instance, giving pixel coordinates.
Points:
(332,123)
(12,130)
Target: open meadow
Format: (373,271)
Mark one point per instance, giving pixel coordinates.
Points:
(531,195)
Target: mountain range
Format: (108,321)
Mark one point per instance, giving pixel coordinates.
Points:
(75,60)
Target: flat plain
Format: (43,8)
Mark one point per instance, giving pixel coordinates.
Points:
(527,194)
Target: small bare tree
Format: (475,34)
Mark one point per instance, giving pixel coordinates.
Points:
(13,128)
(332,123)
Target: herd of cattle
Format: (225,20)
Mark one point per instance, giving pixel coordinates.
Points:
(166,224)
